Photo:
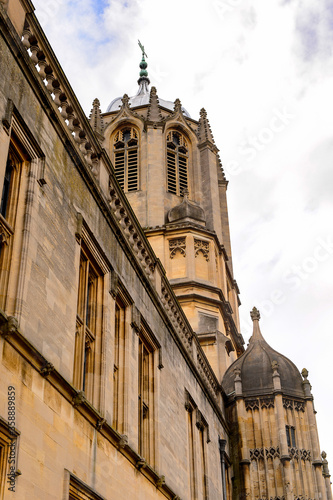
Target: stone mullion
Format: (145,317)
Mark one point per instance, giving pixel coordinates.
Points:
(98,365)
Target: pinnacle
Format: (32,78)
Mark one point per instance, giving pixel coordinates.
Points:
(95,117)
(154,113)
(255,314)
(204,132)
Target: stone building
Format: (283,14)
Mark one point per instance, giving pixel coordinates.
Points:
(123,371)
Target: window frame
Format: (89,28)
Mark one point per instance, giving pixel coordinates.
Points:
(19,158)
(89,332)
(7,436)
(177,161)
(78,490)
(149,346)
(126,158)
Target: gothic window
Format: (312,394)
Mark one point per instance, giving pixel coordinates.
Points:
(8,213)
(78,490)
(177,163)
(125,150)
(291,440)
(88,323)
(198,437)
(8,456)
(118,366)
(146,397)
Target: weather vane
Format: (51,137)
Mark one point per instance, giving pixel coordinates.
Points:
(142,48)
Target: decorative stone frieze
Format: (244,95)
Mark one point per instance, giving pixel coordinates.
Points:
(252,404)
(201,246)
(46,369)
(293,404)
(267,402)
(261,453)
(177,245)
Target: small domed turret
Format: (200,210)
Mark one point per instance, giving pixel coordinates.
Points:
(256,368)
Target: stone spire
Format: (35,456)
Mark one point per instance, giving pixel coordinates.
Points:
(154,113)
(204,132)
(95,118)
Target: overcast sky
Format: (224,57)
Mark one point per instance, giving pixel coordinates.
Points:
(264,73)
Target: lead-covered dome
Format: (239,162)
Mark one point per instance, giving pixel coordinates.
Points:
(255,368)
(142,96)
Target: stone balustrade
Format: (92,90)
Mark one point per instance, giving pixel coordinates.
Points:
(72,116)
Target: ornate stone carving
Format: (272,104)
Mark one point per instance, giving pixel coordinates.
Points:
(257,453)
(46,369)
(255,314)
(293,404)
(78,399)
(160,481)
(100,423)
(123,441)
(299,405)
(267,402)
(326,472)
(177,245)
(294,453)
(203,247)
(305,454)
(10,327)
(252,404)
(272,452)
(288,403)
(141,463)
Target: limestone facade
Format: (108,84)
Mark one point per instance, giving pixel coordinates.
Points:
(118,304)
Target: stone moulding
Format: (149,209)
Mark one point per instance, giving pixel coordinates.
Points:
(272,452)
(255,403)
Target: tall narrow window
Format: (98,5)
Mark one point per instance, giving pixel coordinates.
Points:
(125,149)
(291,439)
(146,395)
(6,187)
(192,467)
(203,460)
(88,323)
(118,367)
(177,161)
(8,214)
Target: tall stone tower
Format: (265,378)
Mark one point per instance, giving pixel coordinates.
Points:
(275,443)
(169,167)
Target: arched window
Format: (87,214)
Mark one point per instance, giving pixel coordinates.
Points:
(177,161)
(125,149)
